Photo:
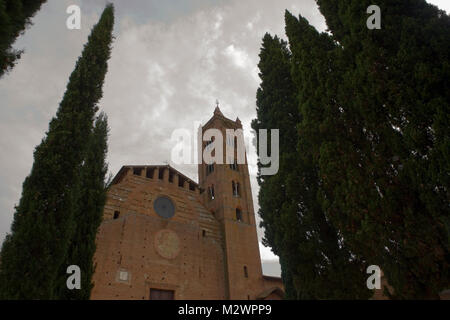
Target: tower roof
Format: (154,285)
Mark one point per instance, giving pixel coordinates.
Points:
(217,111)
(218,114)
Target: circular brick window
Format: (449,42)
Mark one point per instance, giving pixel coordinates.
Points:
(164,207)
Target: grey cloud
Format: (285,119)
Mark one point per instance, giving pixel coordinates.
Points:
(168,66)
(170,61)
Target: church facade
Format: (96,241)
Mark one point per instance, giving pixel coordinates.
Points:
(165,236)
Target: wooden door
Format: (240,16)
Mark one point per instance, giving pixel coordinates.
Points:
(158,294)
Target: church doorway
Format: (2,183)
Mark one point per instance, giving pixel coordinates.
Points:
(158,294)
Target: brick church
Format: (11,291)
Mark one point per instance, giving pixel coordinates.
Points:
(165,236)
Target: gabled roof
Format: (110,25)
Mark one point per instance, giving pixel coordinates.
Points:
(219,115)
(218,112)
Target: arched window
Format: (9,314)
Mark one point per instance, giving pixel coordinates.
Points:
(239,215)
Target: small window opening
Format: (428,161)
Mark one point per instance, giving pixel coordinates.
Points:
(211,192)
(245,272)
(171,174)
(137,171)
(116,214)
(238,214)
(203,233)
(191,186)
(161,173)
(236,189)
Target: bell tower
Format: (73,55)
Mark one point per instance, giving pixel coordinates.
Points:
(227,194)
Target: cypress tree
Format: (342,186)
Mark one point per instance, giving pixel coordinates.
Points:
(315,262)
(330,270)
(275,107)
(15,17)
(88,216)
(36,251)
(390,196)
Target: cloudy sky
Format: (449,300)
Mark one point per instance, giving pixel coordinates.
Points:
(171,60)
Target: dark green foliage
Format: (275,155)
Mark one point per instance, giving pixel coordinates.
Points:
(35,253)
(368,181)
(315,263)
(15,17)
(275,108)
(389,194)
(90,209)
(334,272)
